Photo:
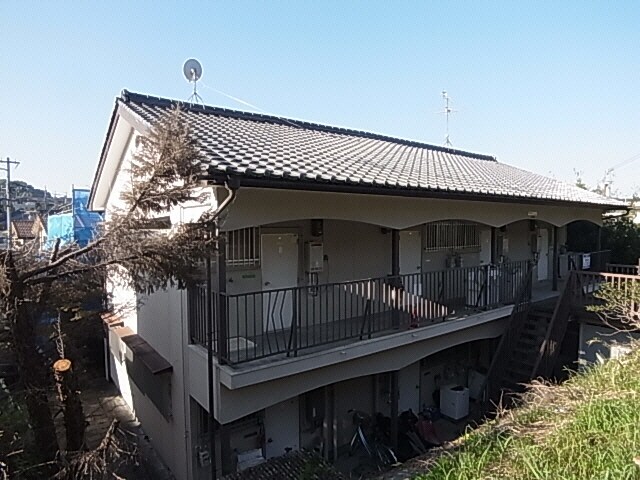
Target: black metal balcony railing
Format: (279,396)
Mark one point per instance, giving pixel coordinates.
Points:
(284,321)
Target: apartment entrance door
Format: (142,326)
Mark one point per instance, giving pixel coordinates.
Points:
(543,258)
(411,260)
(279,258)
(282,428)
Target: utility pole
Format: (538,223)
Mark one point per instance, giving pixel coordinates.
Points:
(7,168)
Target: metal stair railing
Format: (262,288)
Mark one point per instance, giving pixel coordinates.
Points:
(517,319)
(550,347)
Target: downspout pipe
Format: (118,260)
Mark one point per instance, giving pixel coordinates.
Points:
(209,325)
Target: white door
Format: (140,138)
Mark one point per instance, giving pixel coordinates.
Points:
(282,428)
(279,258)
(411,259)
(485,246)
(543,259)
(409,388)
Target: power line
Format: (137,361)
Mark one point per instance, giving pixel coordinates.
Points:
(250,105)
(624,162)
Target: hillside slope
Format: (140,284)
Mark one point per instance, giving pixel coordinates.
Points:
(587,428)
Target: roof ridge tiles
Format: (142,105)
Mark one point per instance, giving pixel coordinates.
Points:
(127,96)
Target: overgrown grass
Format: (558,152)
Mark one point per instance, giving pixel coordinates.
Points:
(587,428)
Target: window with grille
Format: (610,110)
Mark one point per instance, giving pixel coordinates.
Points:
(243,248)
(451,235)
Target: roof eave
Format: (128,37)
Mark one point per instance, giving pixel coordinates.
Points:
(309,185)
(103,153)
(119,111)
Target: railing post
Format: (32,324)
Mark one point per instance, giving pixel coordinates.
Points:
(293,338)
(486,286)
(221,299)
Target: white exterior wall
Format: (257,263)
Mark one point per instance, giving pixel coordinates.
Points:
(159,323)
(161,320)
(355,250)
(255,206)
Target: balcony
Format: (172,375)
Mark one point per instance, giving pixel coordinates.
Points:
(290,321)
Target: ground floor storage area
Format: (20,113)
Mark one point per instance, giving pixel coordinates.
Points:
(360,422)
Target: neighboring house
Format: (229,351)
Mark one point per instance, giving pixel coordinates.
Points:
(76,224)
(360,272)
(29,230)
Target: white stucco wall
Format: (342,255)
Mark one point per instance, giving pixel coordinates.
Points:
(160,319)
(254,206)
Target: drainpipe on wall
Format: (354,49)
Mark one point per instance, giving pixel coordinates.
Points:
(209,325)
(554,283)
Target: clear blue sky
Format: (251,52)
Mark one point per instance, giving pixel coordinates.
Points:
(551,87)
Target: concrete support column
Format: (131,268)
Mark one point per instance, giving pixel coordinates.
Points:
(554,283)
(395,252)
(326,425)
(334,412)
(225,450)
(375,387)
(394,409)
(494,245)
(395,272)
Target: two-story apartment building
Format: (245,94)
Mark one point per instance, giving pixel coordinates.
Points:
(356,271)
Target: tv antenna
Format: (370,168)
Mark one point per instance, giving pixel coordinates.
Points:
(447,111)
(193,72)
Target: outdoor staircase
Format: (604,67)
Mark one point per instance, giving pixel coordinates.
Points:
(530,345)
(526,349)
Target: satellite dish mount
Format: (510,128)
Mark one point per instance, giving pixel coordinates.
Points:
(193,72)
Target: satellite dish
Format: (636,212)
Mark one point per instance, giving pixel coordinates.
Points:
(192,70)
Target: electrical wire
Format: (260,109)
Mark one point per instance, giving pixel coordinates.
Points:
(624,162)
(250,105)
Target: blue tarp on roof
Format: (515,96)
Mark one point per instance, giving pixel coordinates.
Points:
(60,226)
(85,222)
(78,226)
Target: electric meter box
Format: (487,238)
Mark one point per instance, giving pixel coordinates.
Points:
(315,257)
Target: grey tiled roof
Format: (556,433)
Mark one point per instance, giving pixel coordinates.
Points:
(274,149)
